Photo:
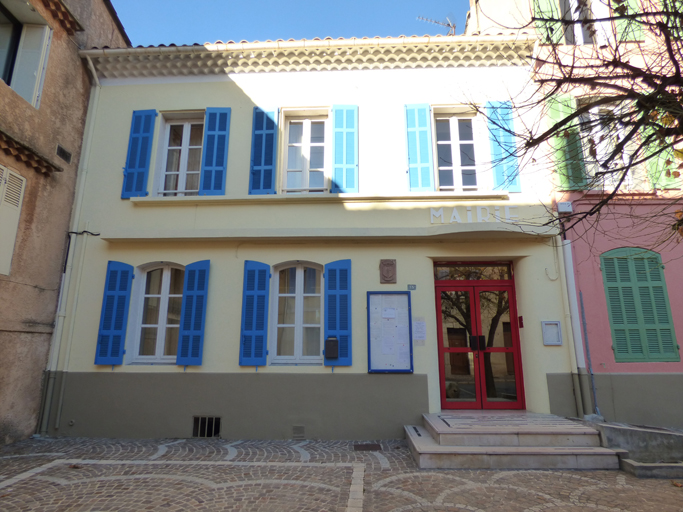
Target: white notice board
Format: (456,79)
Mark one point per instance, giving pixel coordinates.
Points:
(390,343)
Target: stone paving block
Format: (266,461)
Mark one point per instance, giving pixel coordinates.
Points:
(191,474)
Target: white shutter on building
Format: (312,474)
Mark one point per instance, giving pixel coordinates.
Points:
(11,196)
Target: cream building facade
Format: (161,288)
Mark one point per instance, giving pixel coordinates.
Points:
(231,266)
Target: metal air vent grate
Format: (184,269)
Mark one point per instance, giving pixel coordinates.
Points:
(63,154)
(206,426)
(298,432)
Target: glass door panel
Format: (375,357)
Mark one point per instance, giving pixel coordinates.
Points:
(498,353)
(459,372)
(500,378)
(456,318)
(459,378)
(494,311)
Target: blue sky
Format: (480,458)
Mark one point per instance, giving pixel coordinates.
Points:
(154,22)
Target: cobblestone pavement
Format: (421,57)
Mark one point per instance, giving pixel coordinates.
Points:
(280,476)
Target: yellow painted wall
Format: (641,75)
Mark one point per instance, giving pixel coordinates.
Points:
(229,230)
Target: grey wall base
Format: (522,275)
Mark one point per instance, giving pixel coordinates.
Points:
(652,399)
(252,406)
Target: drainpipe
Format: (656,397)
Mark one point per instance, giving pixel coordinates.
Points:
(57,337)
(575,320)
(569,291)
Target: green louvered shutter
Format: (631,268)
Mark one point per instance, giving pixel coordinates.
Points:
(658,165)
(628,29)
(638,305)
(419,130)
(548,31)
(566,144)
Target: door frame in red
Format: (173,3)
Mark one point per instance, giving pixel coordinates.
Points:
(476,287)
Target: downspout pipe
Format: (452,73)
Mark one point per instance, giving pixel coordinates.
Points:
(575,317)
(57,337)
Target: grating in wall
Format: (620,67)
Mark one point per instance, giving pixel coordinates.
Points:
(63,154)
(298,432)
(206,426)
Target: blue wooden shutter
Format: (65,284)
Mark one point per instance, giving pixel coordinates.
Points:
(263,153)
(111,338)
(215,153)
(193,314)
(338,309)
(139,153)
(419,128)
(345,149)
(503,146)
(254,335)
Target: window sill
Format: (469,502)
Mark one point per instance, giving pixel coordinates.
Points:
(317,199)
(296,364)
(152,363)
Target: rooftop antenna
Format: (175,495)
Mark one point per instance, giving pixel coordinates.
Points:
(450,25)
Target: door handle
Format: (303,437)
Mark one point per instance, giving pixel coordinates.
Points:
(474,343)
(482,343)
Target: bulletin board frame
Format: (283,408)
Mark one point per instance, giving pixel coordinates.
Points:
(380,363)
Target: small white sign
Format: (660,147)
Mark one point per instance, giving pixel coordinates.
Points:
(419,331)
(389,313)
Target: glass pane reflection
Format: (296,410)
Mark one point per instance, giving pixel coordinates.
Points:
(457,272)
(500,377)
(459,375)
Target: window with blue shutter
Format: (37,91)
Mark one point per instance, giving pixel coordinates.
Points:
(338,309)
(263,153)
(215,157)
(419,131)
(193,314)
(503,146)
(136,171)
(638,306)
(254,332)
(111,338)
(345,150)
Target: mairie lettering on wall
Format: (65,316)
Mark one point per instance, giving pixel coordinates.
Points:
(474,214)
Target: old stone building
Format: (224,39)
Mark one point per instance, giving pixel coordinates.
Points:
(44,96)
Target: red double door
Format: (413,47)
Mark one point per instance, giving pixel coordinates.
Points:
(479,357)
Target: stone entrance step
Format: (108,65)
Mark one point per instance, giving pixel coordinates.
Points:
(506,440)
(508,429)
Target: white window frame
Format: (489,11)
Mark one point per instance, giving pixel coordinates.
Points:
(30,63)
(482,150)
(136,312)
(297,358)
(576,33)
(306,116)
(169,119)
(590,127)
